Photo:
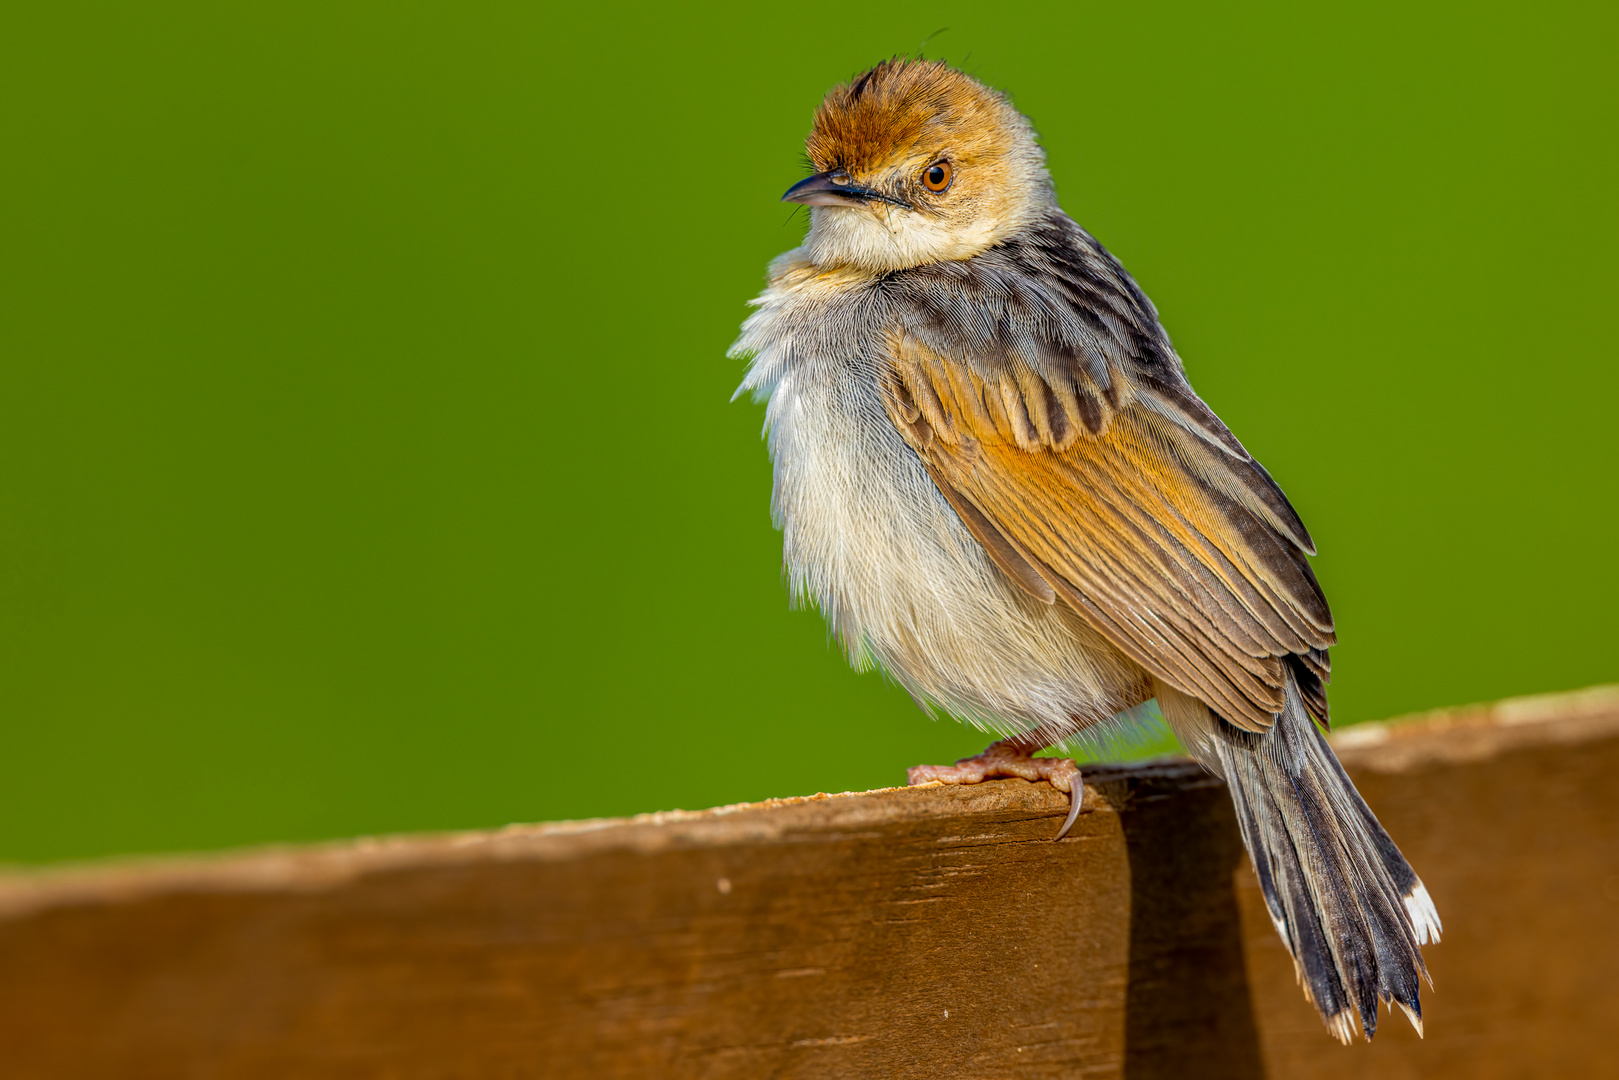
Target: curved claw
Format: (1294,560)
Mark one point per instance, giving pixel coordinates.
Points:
(1077,794)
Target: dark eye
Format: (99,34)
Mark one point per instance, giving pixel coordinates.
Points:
(936,177)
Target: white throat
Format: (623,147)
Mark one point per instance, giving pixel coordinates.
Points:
(879,238)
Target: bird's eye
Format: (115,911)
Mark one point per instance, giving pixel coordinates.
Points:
(936,177)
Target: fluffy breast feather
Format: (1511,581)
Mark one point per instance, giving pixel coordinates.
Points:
(870,540)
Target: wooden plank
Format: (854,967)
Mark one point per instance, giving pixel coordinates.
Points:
(906,932)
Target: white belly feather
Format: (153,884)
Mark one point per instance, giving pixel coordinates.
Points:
(869,539)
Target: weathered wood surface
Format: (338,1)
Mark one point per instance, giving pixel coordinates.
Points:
(924,932)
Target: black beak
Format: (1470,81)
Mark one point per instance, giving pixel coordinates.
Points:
(834,188)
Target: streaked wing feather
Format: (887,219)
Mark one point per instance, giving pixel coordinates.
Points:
(1137,523)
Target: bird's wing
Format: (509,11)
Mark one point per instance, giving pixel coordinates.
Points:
(1095,477)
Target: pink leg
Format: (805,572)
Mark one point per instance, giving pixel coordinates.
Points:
(1009,757)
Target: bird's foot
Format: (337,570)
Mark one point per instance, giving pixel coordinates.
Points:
(1009,757)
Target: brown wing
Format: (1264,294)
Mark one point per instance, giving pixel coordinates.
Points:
(1175,545)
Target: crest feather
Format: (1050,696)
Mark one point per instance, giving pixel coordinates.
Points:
(910,108)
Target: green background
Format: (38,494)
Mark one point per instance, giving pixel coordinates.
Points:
(366,459)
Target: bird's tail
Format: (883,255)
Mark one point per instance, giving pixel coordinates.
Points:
(1346,903)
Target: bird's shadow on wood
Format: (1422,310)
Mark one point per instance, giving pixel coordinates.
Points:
(1188,1011)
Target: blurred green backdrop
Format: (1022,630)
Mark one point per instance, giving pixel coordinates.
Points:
(366,461)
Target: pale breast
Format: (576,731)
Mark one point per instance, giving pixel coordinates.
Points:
(868,538)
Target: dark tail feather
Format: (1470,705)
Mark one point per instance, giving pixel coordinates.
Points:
(1346,903)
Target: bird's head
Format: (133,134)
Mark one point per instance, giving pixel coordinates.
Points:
(917,163)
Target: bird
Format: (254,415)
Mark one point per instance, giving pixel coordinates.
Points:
(995,481)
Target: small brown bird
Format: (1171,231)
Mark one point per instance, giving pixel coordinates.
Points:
(995,481)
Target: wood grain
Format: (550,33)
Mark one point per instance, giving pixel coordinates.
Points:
(906,932)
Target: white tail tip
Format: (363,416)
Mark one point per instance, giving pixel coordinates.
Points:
(1424,916)
(1344,1026)
(1416,1021)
